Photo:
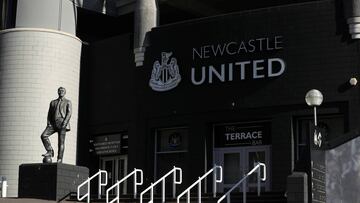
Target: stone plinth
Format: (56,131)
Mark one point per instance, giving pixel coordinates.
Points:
(53,181)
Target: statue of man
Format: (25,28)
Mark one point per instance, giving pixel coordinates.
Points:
(57,121)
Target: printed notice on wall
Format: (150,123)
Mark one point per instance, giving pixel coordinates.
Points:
(107,144)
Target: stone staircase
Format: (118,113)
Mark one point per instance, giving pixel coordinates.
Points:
(265,197)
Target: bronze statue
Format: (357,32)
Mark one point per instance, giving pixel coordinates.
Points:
(57,121)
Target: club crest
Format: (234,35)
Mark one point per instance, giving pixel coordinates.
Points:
(174,140)
(317,139)
(165,75)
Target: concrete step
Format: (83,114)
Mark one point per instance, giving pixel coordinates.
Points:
(266,197)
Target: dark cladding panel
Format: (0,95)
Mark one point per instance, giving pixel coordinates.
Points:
(249,59)
(111,90)
(226,69)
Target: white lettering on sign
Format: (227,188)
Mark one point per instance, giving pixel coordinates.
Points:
(244,135)
(262,68)
(238,47)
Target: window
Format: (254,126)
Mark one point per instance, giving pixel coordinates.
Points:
(170,140)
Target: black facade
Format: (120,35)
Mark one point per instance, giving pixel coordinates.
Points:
(244,77)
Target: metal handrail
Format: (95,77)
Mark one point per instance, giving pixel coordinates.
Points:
(198,182)
(117,185)
(162,179)
(88,184)
(257,167)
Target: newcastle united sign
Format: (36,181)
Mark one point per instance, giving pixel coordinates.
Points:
(233,60)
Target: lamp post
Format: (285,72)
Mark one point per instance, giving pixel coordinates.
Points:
(315,98)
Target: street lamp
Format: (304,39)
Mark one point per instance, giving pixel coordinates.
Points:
(315,98)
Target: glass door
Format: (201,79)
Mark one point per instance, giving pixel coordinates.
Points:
(233,170)
(238,161)
(254,156)
(108,165)
(121,172)
(116,166)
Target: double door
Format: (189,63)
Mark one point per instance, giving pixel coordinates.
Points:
(116,167)
(238,161)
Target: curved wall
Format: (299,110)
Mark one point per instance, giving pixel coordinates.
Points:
(33,64)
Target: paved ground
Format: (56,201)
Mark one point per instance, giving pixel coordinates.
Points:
(28,200)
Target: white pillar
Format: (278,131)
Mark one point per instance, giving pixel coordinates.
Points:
(33,64)
(146,17)
(352,15)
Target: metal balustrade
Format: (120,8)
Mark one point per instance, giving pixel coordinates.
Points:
(117,185)
(88,186)
(198,182)
(162,179)
(243,181)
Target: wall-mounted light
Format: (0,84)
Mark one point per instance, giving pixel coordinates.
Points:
(353,81)
(315,98)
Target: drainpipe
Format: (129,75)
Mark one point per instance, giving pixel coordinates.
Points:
(146,17)
(352,14)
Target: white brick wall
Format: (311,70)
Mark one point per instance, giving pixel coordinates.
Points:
(33,64)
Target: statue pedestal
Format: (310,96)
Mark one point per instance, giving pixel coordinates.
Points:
(52,181)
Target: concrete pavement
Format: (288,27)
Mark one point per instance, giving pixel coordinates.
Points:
(29,200)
